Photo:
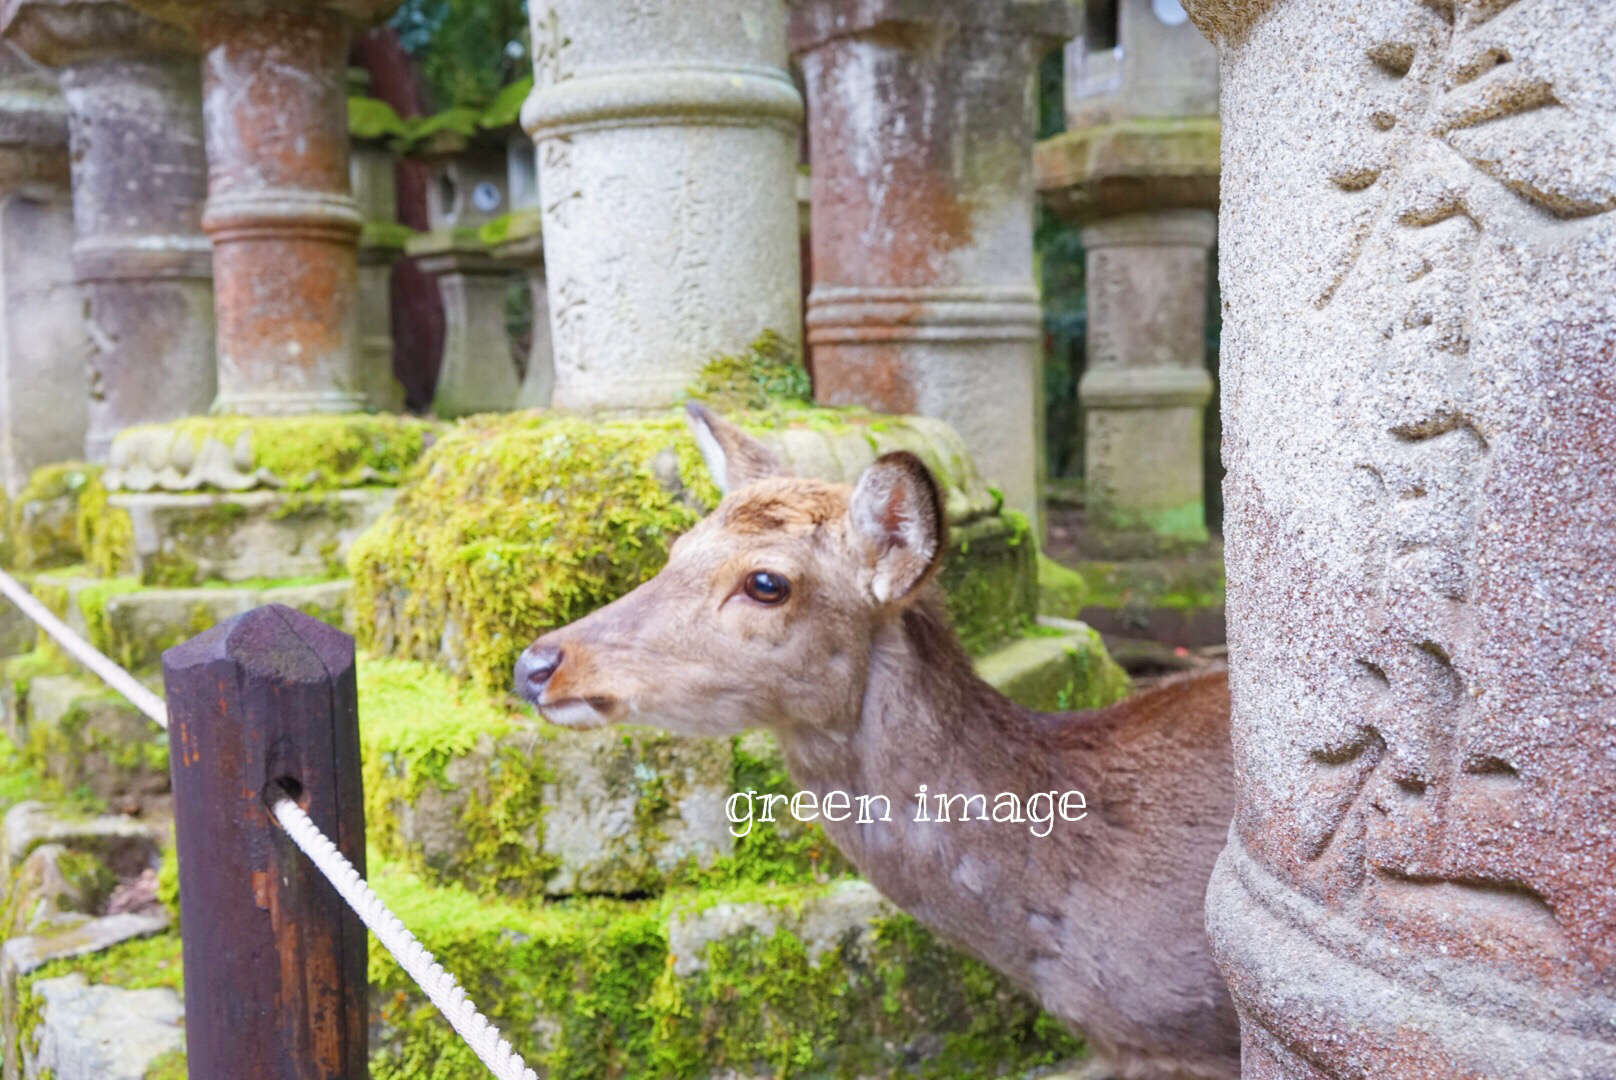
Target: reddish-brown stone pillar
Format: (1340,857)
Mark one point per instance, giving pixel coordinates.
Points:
(920,130)
(284,224)
(139,178)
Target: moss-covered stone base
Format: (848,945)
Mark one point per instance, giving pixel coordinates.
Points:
(796,981)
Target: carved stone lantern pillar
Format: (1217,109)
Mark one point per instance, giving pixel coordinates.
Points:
(139,177)
(920,139)
(667,141)
(521,243)
(469,189)
(371,169)
(1138,168)
(1418,258)
(43,383)
(281,214)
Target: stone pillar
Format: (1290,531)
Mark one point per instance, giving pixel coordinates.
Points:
(139,177)
(1145,386)
(522,246)
(381,243)
(43,386)
(666,136)
(1138,168)
(920,136)
(478,373)
(1418,257)
(469,191)
(280,212)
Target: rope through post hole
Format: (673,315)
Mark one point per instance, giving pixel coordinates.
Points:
(439,985)
(85,653)
(451,1000)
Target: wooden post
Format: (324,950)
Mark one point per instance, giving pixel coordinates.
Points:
(274,959)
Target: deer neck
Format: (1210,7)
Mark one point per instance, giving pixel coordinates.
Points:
(927,722)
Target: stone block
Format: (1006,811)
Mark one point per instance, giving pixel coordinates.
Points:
(80,733)
(627,808)
(52,885)
(80,937)
(126,845)
(43,524)
(183,539)
(102,1032)
(1129,166)
(137,626)
(1063,666)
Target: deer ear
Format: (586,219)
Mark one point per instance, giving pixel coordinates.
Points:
(734,458)
(898,514)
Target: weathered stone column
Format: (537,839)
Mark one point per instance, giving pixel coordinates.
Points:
(523,246)
(920,136)
(469,190)
(1418,252)
(43,384)
(667,153)
(1145,387)
(284,224)
(371,171)
(1137,167)
(139,177)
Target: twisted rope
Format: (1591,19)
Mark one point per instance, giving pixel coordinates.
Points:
(440,986)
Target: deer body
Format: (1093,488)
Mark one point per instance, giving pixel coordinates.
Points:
(850,662)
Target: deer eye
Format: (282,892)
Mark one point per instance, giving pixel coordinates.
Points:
(766,587)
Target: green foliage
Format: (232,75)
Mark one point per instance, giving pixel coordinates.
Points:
(372,118)
(467,49)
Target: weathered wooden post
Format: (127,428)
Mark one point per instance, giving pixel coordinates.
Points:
(274,959)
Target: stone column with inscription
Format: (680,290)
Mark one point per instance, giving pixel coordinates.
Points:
(920,137)
(43,381)
(667,139)
(1419,276)
(280,211)
(139,178)
(1137,168)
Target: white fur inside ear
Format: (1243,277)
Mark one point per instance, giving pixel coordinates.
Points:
(712,453)
(893,518)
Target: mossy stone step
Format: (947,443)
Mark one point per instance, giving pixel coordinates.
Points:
(186,539)
(133,623)
(806,980)
(80,734)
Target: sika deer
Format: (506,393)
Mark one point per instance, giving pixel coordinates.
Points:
(806,608)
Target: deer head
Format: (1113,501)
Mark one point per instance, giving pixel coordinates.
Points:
(766,612)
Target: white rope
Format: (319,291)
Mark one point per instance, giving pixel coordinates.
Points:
(439,985)
(85,653)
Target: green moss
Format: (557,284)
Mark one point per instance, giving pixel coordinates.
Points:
(389,235)
(99,742)
(105,533)
(1062,591)
(989,580)
(168,881)
(520,523)
(1164,583)
(308,453)
(415,723)
(43,520)
(770,371)
(170,1066)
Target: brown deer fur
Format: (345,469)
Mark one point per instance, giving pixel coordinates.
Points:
(867,688)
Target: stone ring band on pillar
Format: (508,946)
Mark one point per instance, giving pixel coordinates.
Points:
(644,95)
(312,215)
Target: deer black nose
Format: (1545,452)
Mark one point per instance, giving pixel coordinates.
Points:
(535,666)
